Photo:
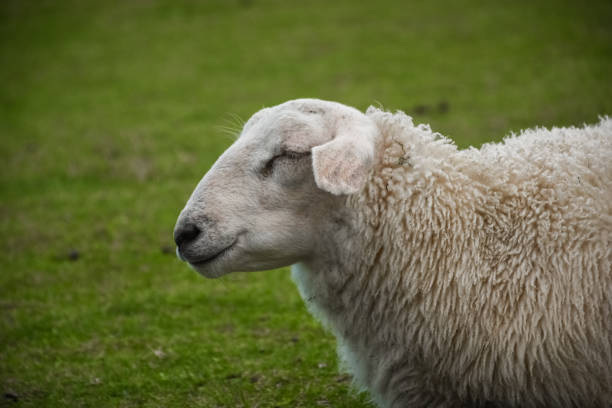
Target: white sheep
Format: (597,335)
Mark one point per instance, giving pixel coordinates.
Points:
(449,277)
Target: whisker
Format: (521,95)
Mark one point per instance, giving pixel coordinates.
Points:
(237,119)
(232,132)
(230,128)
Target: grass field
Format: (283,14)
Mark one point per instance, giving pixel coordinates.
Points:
(110,112)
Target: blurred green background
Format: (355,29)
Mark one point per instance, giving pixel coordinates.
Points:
(110,112)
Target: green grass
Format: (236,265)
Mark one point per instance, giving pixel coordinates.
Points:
(110,112)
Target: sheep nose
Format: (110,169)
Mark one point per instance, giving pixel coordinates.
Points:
(185,233)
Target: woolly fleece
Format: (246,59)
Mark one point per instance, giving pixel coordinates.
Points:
(478,275)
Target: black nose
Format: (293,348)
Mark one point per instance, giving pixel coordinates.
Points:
(185,233)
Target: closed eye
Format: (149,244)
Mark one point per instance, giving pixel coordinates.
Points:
(268,168)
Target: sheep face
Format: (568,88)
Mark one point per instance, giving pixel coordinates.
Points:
(271,198)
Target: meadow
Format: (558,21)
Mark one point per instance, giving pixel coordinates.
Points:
(110,113)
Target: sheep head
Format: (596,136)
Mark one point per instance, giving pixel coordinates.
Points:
(271,196)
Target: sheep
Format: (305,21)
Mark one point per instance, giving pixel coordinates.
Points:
(449,277)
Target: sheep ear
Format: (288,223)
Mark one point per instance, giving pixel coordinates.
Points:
(342,166)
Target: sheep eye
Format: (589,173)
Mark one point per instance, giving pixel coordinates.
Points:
(268,168)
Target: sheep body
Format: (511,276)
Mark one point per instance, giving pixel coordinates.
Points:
(475,276)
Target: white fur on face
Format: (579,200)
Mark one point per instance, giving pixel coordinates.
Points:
(262,205)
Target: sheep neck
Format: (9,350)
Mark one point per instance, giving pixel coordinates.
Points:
(403,210)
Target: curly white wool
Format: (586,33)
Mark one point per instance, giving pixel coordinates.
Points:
(477,275)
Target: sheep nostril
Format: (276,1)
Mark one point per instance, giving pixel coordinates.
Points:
(185,233)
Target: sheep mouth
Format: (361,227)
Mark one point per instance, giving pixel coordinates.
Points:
(204,261)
